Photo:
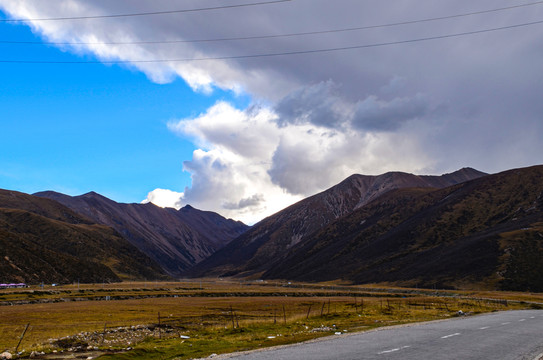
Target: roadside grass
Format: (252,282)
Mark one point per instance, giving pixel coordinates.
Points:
(199,319)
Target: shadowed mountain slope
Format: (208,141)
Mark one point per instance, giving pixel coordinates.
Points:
(273,238)
(176,239)
(42,240)
(487,232)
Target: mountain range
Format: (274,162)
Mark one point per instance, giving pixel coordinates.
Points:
(466,229)
(484,232)
(44,241)
(175,239)
(276,236)
(54,237)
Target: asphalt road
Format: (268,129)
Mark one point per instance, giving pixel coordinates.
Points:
(509,335)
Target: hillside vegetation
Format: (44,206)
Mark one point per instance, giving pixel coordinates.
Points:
(175,239)
(485,232)
(47,242)
(276,236)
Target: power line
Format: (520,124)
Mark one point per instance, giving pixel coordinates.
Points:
(299,52)
(409,22)
(148,13)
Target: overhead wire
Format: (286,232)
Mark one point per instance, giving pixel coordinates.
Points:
(148,13)
(276,54)
(260,37)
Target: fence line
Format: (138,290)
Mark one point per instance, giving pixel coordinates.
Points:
(15,336)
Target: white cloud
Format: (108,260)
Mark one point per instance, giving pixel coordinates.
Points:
(249,166)
(165,198)
(229,171)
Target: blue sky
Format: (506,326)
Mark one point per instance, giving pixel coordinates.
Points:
(75,128)
(228,125)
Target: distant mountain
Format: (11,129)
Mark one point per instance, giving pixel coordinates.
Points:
(42,240)
(176,239)
(272,239)
(484,233)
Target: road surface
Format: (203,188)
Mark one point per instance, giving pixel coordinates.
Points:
(510,335)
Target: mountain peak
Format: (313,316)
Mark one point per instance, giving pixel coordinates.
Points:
(174,239)
(272,237)
(92,194)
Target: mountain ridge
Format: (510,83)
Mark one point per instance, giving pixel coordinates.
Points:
(43,240)
(176,239)
(275,235)
(487,231)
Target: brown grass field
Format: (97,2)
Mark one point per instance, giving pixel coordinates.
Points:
(181,320)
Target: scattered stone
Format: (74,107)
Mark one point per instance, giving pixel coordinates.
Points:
(322,329)
(6,355)
(116,337)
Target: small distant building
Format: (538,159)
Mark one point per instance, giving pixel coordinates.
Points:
(13,286)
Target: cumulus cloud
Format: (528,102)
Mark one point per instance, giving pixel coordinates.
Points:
(310,159)
(165,198)
(229,171)
(429,106)
(251,164)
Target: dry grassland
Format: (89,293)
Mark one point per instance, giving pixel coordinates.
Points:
(194,319)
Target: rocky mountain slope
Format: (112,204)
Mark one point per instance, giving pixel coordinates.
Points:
(486,233)
(175,239)
(42,240)
(273,238)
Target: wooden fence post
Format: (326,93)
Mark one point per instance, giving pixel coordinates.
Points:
(308,311)
(104,334)
(21,338)
(159,330)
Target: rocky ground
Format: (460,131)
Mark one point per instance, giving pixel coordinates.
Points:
(90,345)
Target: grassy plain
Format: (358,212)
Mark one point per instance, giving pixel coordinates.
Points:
(182,320)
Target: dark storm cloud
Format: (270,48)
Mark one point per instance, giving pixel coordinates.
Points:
(318,104)
(252,201)
(373,114)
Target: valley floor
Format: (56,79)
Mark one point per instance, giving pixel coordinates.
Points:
(190,319)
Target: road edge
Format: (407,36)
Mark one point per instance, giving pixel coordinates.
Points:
(325,338)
